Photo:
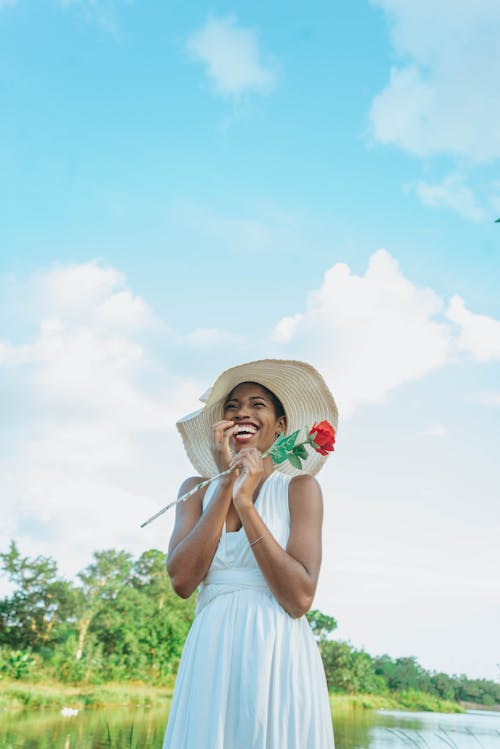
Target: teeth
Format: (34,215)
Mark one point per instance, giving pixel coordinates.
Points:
(246,429)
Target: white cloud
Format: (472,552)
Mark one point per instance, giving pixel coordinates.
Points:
(371,333)
(87,437)
(479,335)
(78,285)
(233,59)
(285,328)
(451,193)
(435,430)
(88,449)
(92,292)
(368,333)
(443,98)
(88,409)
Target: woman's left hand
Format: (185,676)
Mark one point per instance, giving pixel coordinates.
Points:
(249,461)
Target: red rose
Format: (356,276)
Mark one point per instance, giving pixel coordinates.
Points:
(324,438)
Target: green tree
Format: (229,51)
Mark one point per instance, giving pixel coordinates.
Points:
(481,691)
(349,670)
(443,686)
(164,625)
(101,584)
(402,673)
(321,624)
(130,617)
(35,615)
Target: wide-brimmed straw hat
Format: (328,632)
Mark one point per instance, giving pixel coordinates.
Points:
(301,389)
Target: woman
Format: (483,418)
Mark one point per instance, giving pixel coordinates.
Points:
(250,675)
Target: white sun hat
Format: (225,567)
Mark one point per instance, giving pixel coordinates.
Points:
(300,388)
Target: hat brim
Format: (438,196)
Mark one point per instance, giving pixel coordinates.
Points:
(301,389)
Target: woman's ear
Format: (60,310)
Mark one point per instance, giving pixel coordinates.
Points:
(281,425)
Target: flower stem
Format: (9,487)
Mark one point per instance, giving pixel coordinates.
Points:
(184,497)
(202,484)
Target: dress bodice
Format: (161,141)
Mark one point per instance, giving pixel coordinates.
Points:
(234,566)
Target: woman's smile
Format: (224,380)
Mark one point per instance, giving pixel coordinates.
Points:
(251,409)
(245,432)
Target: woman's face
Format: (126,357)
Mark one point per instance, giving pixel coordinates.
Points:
(251,407)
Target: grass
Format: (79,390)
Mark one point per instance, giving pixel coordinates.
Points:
(410,700)
(17,694)
(20,694)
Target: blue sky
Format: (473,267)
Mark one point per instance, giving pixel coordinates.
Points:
(188,186)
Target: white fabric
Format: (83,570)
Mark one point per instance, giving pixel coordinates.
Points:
(250,675)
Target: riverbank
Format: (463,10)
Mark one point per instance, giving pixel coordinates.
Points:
(409,700)
(19,694)
(53,695)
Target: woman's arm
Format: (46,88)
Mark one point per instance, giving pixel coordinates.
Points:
(196,535)
(292,574)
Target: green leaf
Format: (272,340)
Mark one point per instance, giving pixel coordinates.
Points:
(300,451)
(279,441)
(295,461)
(279,455)
(289,442)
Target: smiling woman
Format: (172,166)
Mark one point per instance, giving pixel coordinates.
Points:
(251,674)
(253,398)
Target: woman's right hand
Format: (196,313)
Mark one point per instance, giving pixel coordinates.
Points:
(221,433)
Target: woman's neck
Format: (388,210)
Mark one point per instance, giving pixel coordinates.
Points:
(268,466)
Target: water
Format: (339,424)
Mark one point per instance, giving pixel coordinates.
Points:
(393,729)
(143,729)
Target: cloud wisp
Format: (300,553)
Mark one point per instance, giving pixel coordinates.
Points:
(452,192)
(478,335)
(103,13)
(232,57)
(443,99)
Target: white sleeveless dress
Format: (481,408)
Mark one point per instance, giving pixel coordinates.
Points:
(250,676)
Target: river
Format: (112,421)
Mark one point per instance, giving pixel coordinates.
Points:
(125,728)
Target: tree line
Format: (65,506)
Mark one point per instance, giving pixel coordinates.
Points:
(120,620)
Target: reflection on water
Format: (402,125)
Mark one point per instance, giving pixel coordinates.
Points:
(143,729)
(91,729)
(471,730)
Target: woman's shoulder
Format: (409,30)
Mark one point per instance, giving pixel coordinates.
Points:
(304,494)
(303,482)
(191,483)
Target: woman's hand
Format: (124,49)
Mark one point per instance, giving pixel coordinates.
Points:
(220,435)
(251,469)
